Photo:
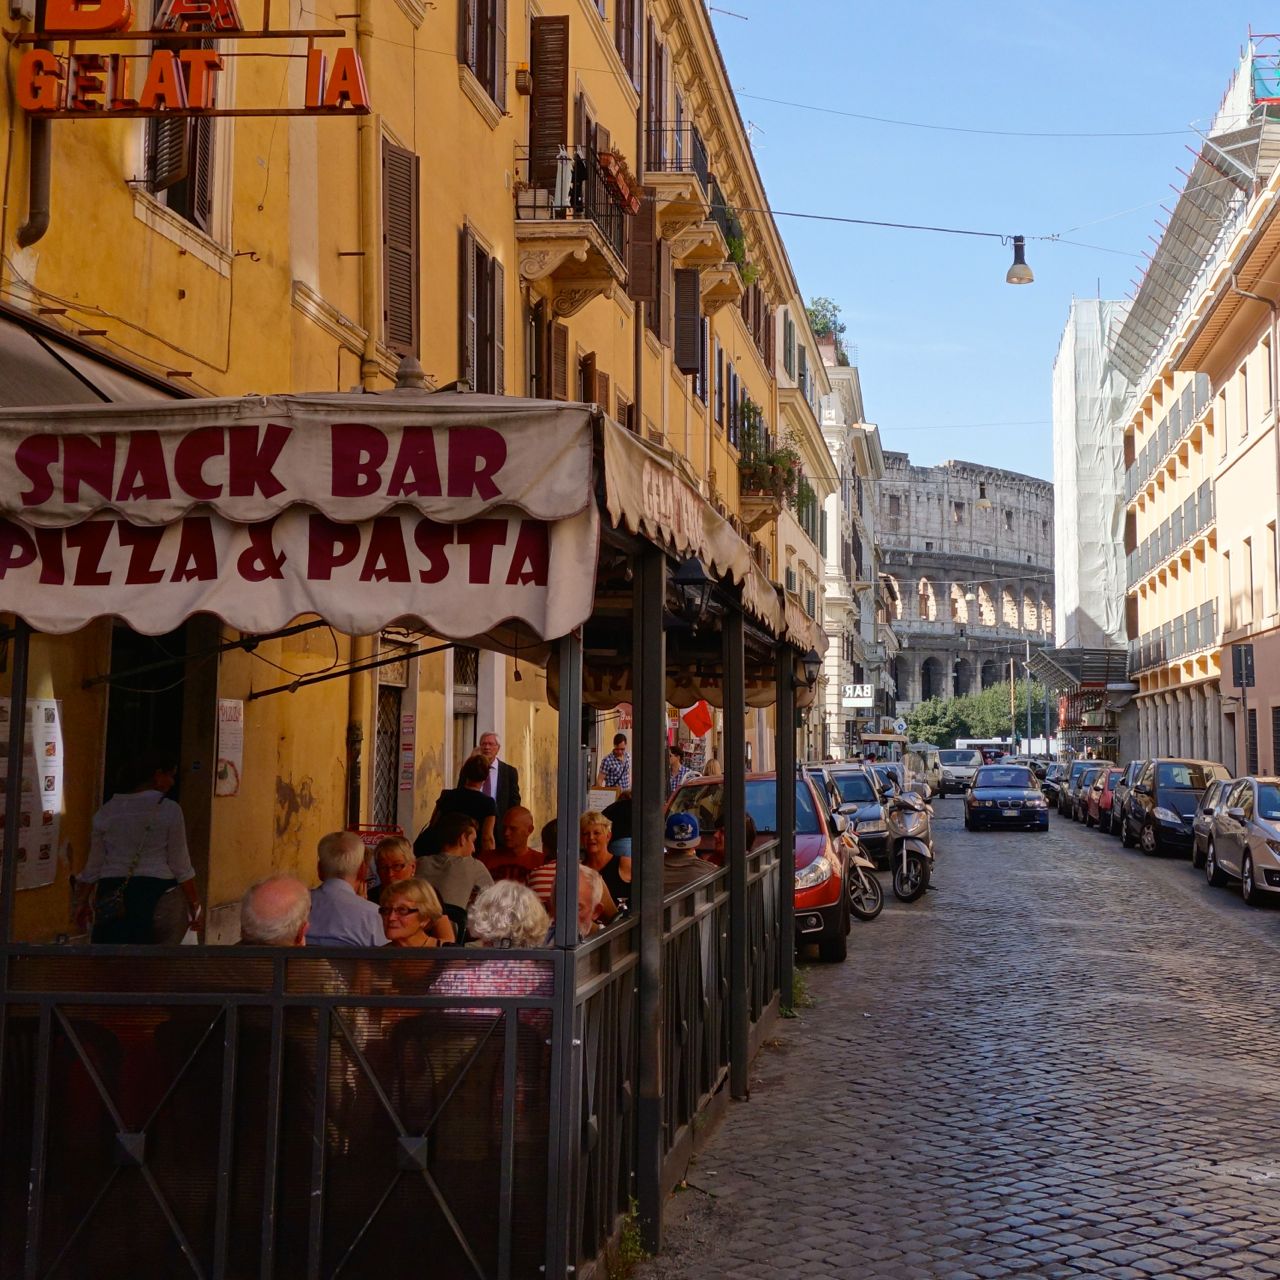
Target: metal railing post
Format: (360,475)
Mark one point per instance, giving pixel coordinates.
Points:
(13,780)
(785,754)
(648,799)
(733,683)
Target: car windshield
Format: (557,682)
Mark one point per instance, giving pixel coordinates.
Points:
(1187,777)
(854,787)
(1269,801)
(888,778)
(959,757)
(704,801)
(1003,776)
(1113,776)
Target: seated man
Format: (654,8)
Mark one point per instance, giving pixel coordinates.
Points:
(341,916)
(275,913)
(454,873)
(681,865)
(514,858)
(717,838)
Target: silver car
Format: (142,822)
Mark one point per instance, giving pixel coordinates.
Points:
(958,768)
(1202,823)
(1244,840)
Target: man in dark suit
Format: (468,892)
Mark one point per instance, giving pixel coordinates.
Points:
(503,782)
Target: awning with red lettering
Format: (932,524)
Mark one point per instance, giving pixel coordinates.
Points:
(469,515)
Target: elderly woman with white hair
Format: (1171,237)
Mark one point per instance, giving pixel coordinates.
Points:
(507,914)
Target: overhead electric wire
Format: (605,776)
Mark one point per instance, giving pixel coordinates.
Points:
(956,128)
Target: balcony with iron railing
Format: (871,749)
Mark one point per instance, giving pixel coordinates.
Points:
(1183,415)
(677,170)
(1187,634)
(569,225)
(1190,519)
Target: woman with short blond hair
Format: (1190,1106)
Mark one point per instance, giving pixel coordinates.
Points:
(412,915)
(594,832)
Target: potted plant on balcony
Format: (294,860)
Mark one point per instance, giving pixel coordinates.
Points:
(620,180)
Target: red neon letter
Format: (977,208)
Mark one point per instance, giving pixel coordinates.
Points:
(39,81)
(73,15)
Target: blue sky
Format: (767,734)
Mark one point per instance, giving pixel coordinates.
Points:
(954,362)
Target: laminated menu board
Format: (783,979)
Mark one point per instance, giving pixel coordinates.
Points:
(40,815)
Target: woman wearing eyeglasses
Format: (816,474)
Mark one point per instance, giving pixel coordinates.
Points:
(412,915)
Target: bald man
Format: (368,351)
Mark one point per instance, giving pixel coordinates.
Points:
(275,913)
(513,859)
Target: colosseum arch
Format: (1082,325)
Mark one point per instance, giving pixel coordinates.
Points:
(964,677)
(990,673)
(1046,614)
(986,605)
(1008,609)
(959,605)
(932,684)
(1030,610)
(926,601)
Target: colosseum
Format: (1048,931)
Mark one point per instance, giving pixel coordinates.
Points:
(968,552)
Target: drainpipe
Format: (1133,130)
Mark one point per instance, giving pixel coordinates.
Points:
(40,147)
(369,169)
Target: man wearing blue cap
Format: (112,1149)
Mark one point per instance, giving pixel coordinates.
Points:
(681,865)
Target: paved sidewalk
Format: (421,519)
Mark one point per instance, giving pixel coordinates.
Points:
(1061,1063)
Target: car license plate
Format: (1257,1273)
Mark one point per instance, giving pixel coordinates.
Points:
(1009,813)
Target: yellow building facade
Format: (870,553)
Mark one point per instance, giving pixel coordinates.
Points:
(555,201)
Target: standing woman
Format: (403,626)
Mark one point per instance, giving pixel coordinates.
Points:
(468,798)
(137,854)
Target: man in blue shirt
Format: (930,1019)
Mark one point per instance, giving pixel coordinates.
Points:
(340,914)
(615,768)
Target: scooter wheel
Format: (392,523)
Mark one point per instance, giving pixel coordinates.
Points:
(910,881)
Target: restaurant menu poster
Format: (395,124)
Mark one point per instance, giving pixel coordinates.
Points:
(40,814)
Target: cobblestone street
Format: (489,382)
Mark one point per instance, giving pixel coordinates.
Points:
(1060,1063)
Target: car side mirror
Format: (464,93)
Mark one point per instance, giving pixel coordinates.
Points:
(1142,791)
(1236,812)
(839,824)
(1208,813)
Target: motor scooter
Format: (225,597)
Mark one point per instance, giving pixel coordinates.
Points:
(866,897)
(910,825)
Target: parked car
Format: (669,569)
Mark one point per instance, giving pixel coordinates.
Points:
(1202,823)
(1080,797)
(822,855)
(1067,792)
(1101,795)
(924,765)
(1123,787)
(860,802)
(1005,796)
(821,775)
(958,768)
(1162,803)
(1244,839)
(1052,783)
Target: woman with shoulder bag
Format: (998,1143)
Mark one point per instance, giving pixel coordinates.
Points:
(137,856)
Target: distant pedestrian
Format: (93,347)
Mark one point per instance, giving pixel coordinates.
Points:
(678,772)
(502,781)
(467,798)
(615,768)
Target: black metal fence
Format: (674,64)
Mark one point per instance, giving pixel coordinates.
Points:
(291,1114)
(237,1111)
(677,147)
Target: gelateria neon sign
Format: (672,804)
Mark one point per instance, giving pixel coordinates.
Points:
(177,67)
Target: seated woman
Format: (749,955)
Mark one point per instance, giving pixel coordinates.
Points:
(507,914)
(394,860)
(594,833)
(412,915)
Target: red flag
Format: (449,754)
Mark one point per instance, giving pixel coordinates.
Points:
(699,719)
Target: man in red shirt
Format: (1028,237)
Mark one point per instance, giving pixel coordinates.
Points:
(513,859)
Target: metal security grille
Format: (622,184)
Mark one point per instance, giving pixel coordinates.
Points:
(1251,734)
(386,755)
(1275,739)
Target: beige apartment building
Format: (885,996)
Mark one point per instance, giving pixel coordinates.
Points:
(1200,451)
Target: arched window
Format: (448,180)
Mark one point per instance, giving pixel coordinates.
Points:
(931,684)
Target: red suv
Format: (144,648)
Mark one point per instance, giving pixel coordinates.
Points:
(822,853)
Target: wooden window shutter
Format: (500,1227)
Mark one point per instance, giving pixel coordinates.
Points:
(468,32)
(467,308)
(601,396)
(400,267)
(719,413)
(601,139)
(770,345)
(688,321)
(168,152)
(642,266)
(500,53)
(559,361)
(587,377)
(498,310)
(549,102)
(663,261)
(202,172)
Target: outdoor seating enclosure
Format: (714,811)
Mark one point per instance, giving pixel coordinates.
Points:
(244,1111)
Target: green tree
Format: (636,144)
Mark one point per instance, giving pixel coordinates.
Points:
(978,715)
